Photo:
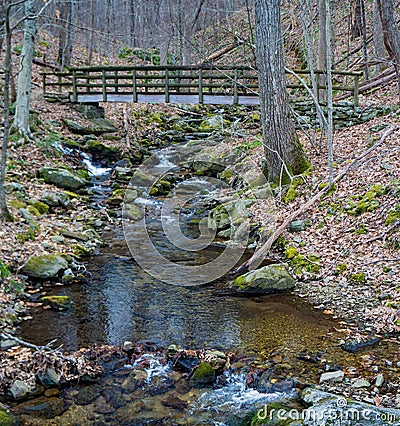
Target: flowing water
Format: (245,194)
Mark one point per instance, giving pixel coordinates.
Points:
(122,302)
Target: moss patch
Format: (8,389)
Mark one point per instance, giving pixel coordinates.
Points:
(393,216)
(301,263)
(367,202)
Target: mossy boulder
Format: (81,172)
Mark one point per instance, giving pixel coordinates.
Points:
(45,266)
(204,374)
(7,419)
(95,126)
(102,152)
(265,280)
(62,178)
(41,207)
(57,302)
(213,123)
(132,212)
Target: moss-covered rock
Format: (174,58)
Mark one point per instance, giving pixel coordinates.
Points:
(102,152)
(41,207)
(45,266)
(57,302)
(265,280)
(301,263)
(62,178)
(204,374)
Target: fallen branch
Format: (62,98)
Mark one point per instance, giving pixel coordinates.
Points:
(27,344)
(257,257)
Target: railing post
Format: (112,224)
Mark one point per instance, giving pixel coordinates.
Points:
(166,87)
(74,87)
(201,100)
(134,92)
(356,86)
(104,85)
(235,87)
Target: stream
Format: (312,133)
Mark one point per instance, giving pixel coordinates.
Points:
(121,302)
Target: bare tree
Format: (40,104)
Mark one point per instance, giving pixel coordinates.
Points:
(21,119)
(284,155)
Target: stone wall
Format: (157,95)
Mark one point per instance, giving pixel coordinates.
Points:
(344,115)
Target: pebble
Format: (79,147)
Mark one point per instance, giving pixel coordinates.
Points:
(332,376)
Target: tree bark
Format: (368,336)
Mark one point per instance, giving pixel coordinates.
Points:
(322,93)
(379,44)
(391,35)
(284,156)
(65,38)
(4,212)
(21,119)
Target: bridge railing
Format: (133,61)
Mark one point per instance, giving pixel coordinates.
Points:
(185,84)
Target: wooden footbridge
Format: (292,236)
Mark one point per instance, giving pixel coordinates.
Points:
(191,84)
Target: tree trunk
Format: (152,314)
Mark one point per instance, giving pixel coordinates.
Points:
(357,27)
(391,35)
(284,156)
(65,38)
(322,93)
(379,44)
(4,212)
(21,120)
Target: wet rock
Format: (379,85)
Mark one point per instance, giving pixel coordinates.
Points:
(42,407)
(123,173)
(185,361)
(113,397)
(88,394)
(268,279)
(172,350)
(95,126)
(332,376)
(175,403)
(62,178)
(132,212)
(57,302)
(216,359)
(135,380)
(44,266)
(20,390)
(104,153)
(7,418)
(216,122)
(49,378)
(355,346)
(68,276)
(74,235)
(204,374)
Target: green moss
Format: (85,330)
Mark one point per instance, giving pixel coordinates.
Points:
(42,208)
(393,216)
(58,302)
(301,263)
(290,195)
(82,251)
(357,278)
(17,204)
(368,201)
(362,229)
(22,237)
(204,374)
(340,268)
(7,419)
(33,210)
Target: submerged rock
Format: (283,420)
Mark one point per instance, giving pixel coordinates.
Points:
(57,302)
(42,407)
(268,279)
(44,266)
(62,178)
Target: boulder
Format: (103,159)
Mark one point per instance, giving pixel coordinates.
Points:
(62,178)
(102,152)
(95,126)
(204,374)
(44,266)
(55,199)
(49,378)
(265,280)
(332,376)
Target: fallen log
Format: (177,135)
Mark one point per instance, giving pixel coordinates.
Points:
(258,255)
